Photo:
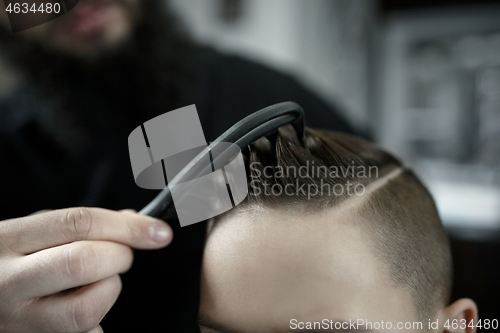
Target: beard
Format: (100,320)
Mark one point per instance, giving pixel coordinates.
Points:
(86,101)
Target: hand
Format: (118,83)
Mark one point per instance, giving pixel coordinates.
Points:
(44,256)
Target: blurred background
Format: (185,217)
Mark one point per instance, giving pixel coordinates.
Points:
(422,77)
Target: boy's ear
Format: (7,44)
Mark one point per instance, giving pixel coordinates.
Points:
(461,312)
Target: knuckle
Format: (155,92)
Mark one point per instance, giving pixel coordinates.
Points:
(87,314)
(79,220)
(82,263)
(133,232)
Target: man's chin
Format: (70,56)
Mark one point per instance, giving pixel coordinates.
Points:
(98,29)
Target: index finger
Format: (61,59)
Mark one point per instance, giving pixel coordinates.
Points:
(36,232)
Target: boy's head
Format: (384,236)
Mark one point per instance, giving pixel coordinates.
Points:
(334,231)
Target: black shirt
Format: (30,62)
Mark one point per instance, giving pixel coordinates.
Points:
(160,292)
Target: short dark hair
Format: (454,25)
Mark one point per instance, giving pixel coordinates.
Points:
(401,219)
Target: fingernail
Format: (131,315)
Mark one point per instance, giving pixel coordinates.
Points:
(159,232)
